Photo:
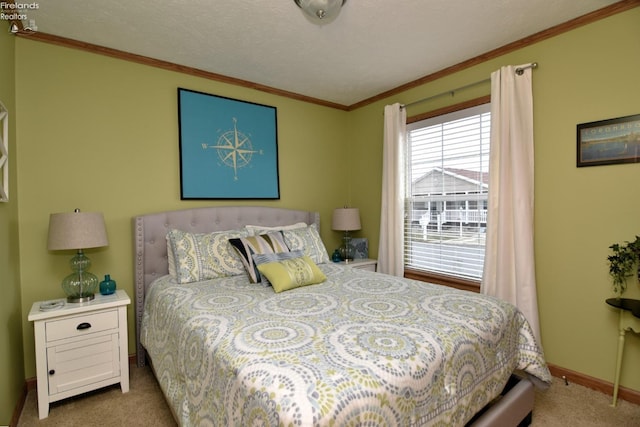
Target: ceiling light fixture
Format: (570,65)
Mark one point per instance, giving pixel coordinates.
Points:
(320,11)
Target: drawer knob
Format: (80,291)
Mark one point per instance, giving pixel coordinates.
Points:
(83,325)
(51,372)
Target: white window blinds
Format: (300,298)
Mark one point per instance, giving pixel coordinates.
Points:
(446,193)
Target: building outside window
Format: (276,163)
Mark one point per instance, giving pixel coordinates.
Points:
(446,193)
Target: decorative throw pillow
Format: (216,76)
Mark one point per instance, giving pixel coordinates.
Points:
(292,273)
(203,256)
(246,247)
(260,229)
(280,256)
(308,239)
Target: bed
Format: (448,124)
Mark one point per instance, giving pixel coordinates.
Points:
(355,348)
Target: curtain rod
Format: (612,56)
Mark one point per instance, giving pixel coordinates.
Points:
(519,71)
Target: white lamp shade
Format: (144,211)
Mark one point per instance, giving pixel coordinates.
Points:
(76,230)
(346,219)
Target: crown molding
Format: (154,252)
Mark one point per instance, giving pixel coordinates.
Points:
(594,16)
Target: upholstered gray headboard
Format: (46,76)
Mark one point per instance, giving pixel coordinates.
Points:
(151,247)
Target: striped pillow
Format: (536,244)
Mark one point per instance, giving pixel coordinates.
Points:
(266,258)
(246,247)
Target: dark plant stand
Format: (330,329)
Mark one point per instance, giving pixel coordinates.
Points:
(629,312)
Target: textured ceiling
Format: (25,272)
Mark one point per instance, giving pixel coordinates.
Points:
(373,46)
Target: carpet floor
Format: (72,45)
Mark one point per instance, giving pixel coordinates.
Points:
(559,406)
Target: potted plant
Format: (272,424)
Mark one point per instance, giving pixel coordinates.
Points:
(622,263)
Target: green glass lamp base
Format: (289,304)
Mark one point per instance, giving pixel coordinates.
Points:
(81,299)
(80,286)
(347,250)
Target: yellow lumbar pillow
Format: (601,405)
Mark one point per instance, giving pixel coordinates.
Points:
(292,273)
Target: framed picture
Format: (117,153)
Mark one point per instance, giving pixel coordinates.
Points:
(228,148)
(361,247)
(609,142)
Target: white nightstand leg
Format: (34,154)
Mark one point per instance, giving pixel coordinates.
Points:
(124,354)
(41,368)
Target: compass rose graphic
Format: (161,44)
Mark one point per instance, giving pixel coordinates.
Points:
(234,149)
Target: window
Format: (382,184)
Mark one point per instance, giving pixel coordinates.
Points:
(446,193)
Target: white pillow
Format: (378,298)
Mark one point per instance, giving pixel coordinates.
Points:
(260,229)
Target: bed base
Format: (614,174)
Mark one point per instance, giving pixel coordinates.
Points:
(514,406)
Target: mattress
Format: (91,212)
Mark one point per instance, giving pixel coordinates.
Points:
(361,348)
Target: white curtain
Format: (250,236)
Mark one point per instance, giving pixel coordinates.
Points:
(391,247)
(509,265)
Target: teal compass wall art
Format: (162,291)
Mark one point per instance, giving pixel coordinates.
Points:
(228,148)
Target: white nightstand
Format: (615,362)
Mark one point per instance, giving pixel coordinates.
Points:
(80,347)
(363,264)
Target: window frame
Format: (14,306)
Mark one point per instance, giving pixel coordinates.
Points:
(433,277)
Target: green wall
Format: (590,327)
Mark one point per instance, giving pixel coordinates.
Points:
(11,338)
(585,75)
(101,134)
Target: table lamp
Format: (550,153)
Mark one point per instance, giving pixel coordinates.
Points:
(78,230)
(346,219)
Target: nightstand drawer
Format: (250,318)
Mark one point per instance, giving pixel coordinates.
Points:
(81,325)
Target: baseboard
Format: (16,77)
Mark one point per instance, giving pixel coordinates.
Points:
(602,386)
(18,409)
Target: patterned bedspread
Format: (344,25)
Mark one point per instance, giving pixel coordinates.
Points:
(362,348)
